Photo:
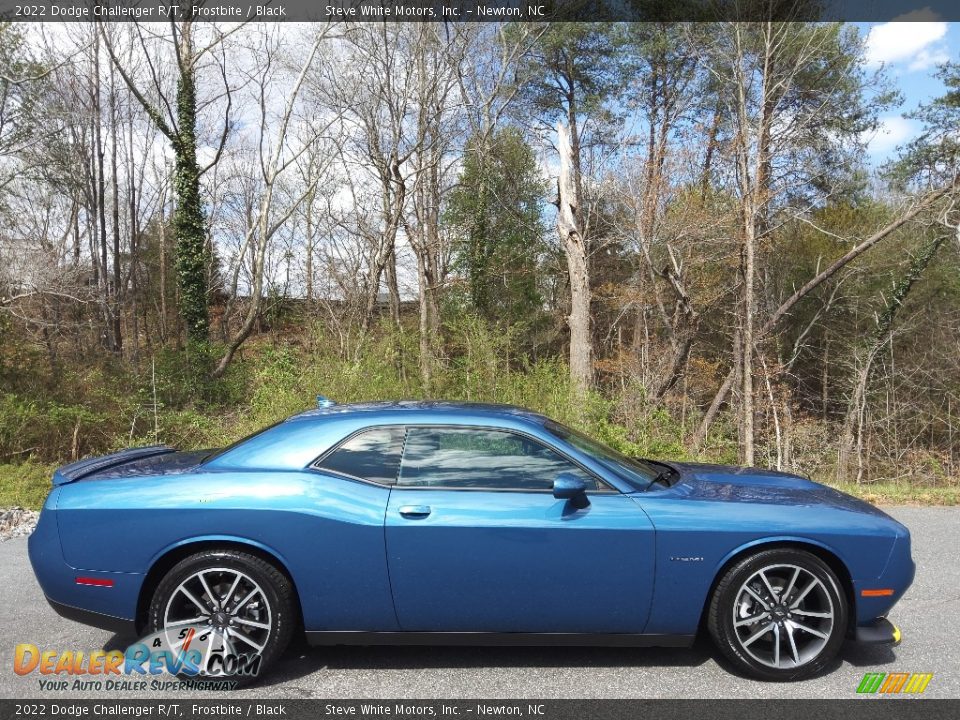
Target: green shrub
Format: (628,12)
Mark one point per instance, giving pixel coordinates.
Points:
(24,484)
(182,377)
(95,408)
(48,430)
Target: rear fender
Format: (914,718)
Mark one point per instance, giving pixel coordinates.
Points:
(163,562)
(213,540)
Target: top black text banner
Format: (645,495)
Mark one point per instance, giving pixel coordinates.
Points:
(477,10)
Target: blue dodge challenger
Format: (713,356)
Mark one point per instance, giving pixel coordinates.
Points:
(437,523)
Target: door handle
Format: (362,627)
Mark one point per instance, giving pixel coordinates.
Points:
(415,511)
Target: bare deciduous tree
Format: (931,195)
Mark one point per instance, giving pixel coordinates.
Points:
(278,150)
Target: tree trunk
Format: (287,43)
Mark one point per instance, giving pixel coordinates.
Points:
(746,350)
(164,332)
(427,329)
(189,224)
(100,193)
(133,273)
(393,287)
(571,234)
(308,205)
(393,202)
(714,132)
(117,281)
(825,380)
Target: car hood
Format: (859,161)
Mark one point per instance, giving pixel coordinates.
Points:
(728,483)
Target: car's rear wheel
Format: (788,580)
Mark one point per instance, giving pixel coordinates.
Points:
(235,608)
(779,614)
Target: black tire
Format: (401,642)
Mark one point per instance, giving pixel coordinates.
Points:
(277,590)
(730,605)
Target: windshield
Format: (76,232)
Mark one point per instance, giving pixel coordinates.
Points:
(639,473)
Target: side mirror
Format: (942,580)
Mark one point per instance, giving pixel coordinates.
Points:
(567,486)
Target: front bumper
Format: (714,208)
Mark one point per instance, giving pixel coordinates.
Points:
(880,632)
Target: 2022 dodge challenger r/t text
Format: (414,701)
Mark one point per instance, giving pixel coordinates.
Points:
(434,523)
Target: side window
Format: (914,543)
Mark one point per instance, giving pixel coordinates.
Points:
(372,455)
(478,458)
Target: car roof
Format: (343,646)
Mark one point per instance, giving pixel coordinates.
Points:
(421,409)
(293,443)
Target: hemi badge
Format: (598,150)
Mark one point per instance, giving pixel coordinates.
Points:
(95,582)
(882,592)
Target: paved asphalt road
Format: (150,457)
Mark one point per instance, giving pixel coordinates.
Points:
(929,616)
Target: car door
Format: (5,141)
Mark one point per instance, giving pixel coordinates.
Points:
(476,542)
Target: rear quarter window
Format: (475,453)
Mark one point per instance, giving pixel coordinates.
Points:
(372,455)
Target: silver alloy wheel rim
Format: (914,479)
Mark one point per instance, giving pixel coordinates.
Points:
(225,602)
(783,616)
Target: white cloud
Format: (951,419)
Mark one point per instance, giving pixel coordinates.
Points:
(894,130)
(926,59)
(916,42)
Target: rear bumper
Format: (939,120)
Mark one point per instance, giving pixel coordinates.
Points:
(880,632)
(120,626)
(94,605)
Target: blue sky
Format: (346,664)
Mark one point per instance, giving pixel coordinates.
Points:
(909,52)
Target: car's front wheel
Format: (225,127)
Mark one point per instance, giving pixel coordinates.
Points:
(233,609)
(779,614)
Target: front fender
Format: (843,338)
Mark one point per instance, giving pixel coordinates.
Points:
(696,539)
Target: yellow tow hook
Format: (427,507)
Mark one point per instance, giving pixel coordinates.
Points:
(896,635)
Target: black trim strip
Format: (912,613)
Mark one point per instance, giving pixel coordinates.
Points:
(349,637)
(121,626)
